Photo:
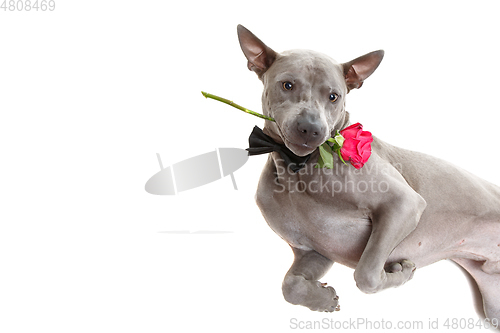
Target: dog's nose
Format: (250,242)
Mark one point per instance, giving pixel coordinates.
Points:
(309,129)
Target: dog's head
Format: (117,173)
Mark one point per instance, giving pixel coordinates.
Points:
(304,91)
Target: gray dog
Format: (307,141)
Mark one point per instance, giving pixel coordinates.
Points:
(401,211)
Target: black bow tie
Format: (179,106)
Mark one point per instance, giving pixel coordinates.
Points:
(260,143)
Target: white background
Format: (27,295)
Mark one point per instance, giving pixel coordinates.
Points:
(90,92)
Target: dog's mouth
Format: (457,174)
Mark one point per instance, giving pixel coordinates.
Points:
(283,134)
(299,149)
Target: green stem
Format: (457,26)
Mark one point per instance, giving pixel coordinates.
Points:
(239,107)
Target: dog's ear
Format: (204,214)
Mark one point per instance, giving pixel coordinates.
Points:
(357,70)
(260,57)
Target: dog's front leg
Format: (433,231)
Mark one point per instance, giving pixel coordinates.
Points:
(301,285)
(392,221)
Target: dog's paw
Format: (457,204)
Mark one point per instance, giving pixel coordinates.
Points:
(326,299)
(312,294)
(400,272)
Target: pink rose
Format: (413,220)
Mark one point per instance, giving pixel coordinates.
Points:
(357,145)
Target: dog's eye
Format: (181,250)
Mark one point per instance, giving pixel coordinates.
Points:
(333,97)
(287,85)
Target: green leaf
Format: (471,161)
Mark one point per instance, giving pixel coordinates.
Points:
(339,139)
(320,163)
(326,156)
(340,156)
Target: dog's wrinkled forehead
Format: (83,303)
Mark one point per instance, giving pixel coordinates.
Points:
(307,66)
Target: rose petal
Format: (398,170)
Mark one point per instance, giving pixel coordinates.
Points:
(351,131)
(357,145)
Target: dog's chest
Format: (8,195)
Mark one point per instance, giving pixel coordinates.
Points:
(314,219)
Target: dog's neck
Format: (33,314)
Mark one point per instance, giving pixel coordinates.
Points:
(342,124)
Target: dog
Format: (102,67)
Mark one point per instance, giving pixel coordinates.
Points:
(419,210)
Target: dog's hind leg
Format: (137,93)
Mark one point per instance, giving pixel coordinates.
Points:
(489,286)
(477,298)
(491,267)
(301,285)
